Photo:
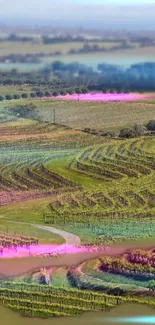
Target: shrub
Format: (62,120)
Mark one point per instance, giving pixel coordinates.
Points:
(16,96)
(23,110)
(63,92)
(55,94)
(24,95)
(1,98)
(33,95)
(47,94)
(151,285)
(71,91)
(105,90)
(127,133)
(151,125)
(84,90)
(78,90)
(139,129)
(8,97)
(39,94)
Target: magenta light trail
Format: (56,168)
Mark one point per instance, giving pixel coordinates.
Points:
(40,250)
(105,97)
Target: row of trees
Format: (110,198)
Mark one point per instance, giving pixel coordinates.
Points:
(39,94)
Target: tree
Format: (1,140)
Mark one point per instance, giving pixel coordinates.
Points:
(33,95)
(57,65)
(24,95)
(1,98)
(63,92)
(152,285)
(126,133)
(47,94)
(16,96)
(139,129)
(55,94)
(112,91)
(39,94)
(151,125)
(71,91)
(84,90)
(8,97)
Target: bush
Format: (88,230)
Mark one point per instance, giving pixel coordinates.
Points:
(78,91)
(151,125)
(39,94)
(127,133)
(23,110)
(24,95)
(33,95)
(55,94)
(63,92)
(105,90)
(84,90)
(139,129)
(8,97)
(16,96)
(1,98)
(71,91)
(47,94)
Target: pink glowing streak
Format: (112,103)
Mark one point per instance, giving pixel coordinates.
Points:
(43,250)
(105,97)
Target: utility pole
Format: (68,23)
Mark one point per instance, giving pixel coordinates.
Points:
(54,116)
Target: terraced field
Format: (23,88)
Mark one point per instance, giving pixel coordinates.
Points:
(98,188)
(123,203)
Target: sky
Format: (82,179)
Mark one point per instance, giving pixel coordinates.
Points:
(127,14)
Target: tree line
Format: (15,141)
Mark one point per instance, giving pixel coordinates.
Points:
(40,94)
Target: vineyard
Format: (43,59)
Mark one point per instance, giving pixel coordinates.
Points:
(123,202)
(100,189)
(45,301)
(9,241)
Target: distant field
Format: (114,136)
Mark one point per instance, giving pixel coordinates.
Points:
(109,116)
(11,90)
(99,115)
(32,47)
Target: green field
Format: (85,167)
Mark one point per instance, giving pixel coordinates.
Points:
(98,188)
(95,115)
(38,47)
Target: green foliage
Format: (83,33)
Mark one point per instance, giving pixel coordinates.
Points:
(39,93)
(47,94)
(24,111)
(84,90)
(33,95)
(151,285)
(24,95)
(127,133)
(9,97)
(17,96)
(151,125)
(63,92)
(55,94)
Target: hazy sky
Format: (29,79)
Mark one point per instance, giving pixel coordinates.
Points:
(133,14)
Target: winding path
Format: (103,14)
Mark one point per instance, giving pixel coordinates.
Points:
(20,266)
(69,238)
